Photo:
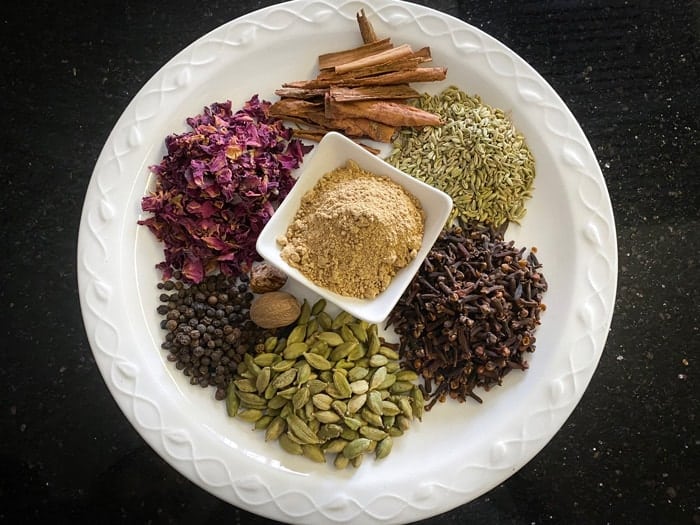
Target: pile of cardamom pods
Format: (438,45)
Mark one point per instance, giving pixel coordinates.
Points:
(333,387)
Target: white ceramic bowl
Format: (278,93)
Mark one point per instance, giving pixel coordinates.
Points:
(332,152)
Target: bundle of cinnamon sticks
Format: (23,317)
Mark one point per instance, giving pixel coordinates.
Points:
(361,92)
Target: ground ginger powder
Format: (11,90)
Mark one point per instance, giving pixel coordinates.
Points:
(353,231)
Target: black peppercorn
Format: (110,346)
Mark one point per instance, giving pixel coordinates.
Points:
(203,323)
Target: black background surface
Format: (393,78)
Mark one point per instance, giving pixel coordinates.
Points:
(629,73)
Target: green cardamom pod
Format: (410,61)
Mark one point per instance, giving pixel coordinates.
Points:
(418,402)
(341,384)
(359,331)
(384,448)
(374,344)
(378,378)
(325,321)
(318,362)
(270,343)
(390,408)
(389,353)
(232,400)
(371,418)
(356,403)
(406,408)
(314,453)
(334,446)
(406,375)
(294,350)
(331,338)
(283,365)
(277,402)
(318,307)
(373,433)
(300,398)
(284,379)
(329,431)
(358,372)
(374,402)
(357,353)
(251,365)
(250,414)
(342,350)
(356,447)
(250,400)
(389,380)
(263,422)
(340,462)
(316,386)
(347,334)
(275,429)
(326,416)
(266,359)
(303,372)
(263,379)
(352,423)
(290,446)
(322,401)
(359,387)
(401,387)
(339,407)
(305,313)
(301,430)
(341,319)
(378,360)
(357,460)
(245,385)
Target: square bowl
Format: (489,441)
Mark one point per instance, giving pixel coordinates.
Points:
(332,152)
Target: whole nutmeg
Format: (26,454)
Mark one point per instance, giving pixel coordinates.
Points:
(274,310)
(266,278)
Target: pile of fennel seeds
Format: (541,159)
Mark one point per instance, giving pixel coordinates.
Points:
(477,157)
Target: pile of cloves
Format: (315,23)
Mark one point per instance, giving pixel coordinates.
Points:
(469,315)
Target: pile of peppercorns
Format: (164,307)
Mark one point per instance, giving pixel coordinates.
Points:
(208,329)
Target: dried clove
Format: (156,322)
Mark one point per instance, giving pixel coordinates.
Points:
(469,315)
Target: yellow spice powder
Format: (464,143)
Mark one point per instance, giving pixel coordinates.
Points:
(353,231)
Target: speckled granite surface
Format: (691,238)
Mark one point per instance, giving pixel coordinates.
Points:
(628,72)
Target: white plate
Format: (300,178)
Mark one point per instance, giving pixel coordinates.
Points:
(459,451)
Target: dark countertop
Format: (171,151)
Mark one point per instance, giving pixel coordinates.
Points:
(629,453)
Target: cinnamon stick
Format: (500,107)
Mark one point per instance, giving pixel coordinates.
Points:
(346,94)
(357,125)
(386,112)
(330,60)
(404,50)
(309,134)
(300,109)
(364,127)
(377,69)
(366,29)
(420,74)
(360,92)
(304,94)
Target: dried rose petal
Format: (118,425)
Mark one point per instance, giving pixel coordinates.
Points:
(218,186)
